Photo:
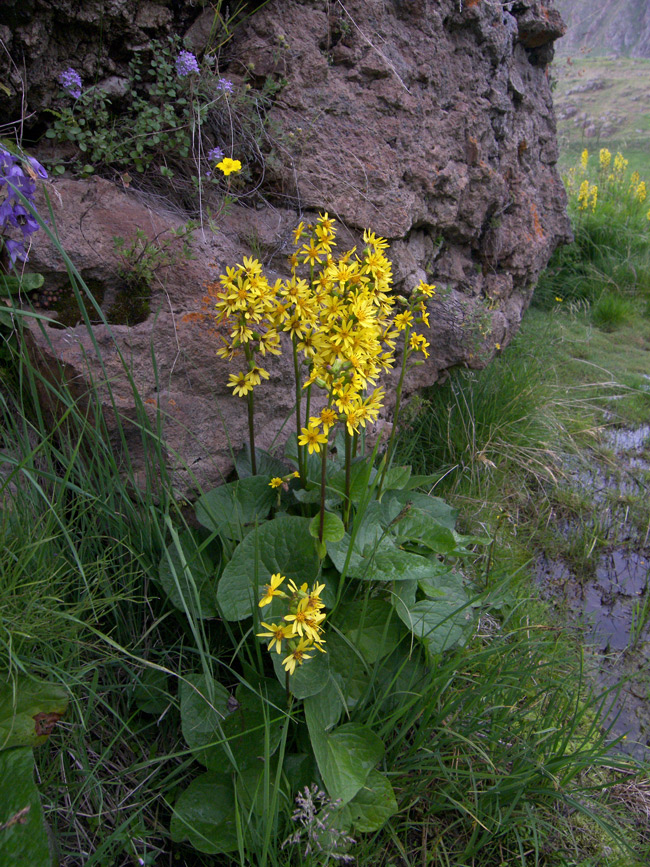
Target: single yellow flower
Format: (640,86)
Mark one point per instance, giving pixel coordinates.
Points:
(271,589)
(297,656)
(277,632)
(276,482)
(297,232)
(240,384)
(311,438)
(228,166)
(426,289)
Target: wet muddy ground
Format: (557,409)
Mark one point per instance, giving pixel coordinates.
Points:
(610,598)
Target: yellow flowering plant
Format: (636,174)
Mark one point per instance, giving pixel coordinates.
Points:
(610,220)
(329,567)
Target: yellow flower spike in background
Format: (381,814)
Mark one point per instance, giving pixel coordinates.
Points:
(584,158)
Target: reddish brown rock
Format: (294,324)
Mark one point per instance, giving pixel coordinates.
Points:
(429,121)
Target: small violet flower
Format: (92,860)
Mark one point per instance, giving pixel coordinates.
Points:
(215,155)
(12,211)
(70,81)
(186,64)
(225,85)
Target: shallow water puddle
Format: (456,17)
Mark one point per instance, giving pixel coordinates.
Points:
(613,604)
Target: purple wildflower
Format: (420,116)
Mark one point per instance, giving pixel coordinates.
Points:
(215,155)
(16,251)
(224,85)
(12,211)
(38,168)
(70,81)
(186,64)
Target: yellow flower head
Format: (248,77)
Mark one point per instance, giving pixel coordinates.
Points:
(228,166)
(426,289)
(297,655)
(277,632)
(240,384)
(271,589)
(584,158)
(276,482)
(605,158)
(311,438)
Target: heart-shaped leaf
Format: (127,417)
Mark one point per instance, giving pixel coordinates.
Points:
(232,510)
(283,545)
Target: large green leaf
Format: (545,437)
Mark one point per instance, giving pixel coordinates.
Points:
(441,622)
(362,474)
(396,478)
(308,678)
(189,576)
(232,510)
(348,670)
(371,626)
(333,529)
(230,728)
(434,506)
(204,707)
(345,756)
(23,838)
(423,529)
(373,804)
(266,464)
(283,545)
(326,707)
(24,283)
(382,561)
(29,711)
(204,814)
(392,564)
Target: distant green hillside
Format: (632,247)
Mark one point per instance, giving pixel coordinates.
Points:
(602,102)
(605,27)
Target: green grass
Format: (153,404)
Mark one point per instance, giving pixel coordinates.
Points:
(495,750)
(622,99)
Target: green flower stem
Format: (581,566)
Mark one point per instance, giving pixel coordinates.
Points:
(251,430)
(307,404)
(300,449)
(323,472)
(251,413)
(348,474)
(398,402)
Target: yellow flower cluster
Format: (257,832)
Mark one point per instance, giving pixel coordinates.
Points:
(605,158)
(341,322)
(587,196)
(301,628)
(245,300)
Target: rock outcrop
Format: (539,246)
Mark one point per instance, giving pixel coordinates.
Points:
(429,121)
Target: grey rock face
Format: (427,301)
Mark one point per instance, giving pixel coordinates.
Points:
(429,121)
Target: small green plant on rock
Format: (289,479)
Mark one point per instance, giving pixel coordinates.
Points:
(142,259)
(177,119)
